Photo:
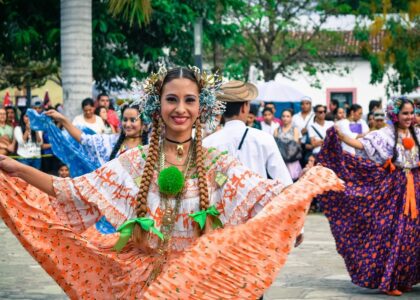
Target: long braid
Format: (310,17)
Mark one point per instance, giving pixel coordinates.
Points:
(117,146)
(145,136)
(147,176)
(394,149)
(139,236)
(202,181)
(202,178)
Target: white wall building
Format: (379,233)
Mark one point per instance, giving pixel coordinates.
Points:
(353,86)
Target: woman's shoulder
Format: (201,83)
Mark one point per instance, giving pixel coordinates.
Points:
(78,118)
(17,129)
(133,160)
(213,156)
(138,154)
(386,135)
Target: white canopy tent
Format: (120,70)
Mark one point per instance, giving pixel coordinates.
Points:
(273,91)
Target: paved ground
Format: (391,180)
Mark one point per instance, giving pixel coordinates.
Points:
(313,271)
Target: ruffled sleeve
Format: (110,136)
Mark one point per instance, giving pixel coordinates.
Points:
(99,145)
(237,192)
(109,191)
(377,145)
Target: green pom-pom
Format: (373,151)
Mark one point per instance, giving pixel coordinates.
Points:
(170,181)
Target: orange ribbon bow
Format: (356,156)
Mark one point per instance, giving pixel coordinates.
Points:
(389,164)
(410,197)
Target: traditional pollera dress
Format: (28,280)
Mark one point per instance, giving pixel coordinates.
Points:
(239,261)
(374,221)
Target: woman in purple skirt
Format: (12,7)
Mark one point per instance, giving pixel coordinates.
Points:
(375,220)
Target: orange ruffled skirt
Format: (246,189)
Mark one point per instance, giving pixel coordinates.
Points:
(237,262)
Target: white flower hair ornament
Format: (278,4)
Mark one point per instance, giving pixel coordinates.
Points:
(394,106)
(209,84)
(132,98)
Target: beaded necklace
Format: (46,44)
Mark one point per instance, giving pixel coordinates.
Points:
(170,213)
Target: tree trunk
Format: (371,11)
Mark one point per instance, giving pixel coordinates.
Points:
(217,49)
(268,69)
(76,53)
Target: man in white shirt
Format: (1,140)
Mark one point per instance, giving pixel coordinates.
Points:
(318,129)
(303,119)
(354,126)
(256,149)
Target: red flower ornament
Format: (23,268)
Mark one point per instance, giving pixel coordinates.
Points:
(408,143)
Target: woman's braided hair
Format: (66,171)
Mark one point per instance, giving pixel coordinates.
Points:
(403,101)
(153,155)
(202,179)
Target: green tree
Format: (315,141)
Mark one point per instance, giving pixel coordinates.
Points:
(397,25)
(271,36)
(29,43)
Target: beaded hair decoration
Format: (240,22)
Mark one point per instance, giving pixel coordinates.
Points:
(209,84)
(393,107)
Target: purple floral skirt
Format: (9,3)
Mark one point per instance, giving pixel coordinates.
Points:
(380,245)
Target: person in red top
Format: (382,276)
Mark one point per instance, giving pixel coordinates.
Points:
(103,100)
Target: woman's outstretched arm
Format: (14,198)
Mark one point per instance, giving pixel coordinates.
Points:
(75,132)
(31,175)
(349,141)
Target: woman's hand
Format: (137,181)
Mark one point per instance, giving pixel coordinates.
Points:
(55,115)
(339,133)
(75,132)
(10,166)
(348,140)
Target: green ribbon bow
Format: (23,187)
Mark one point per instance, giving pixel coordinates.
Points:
(126,230)
(201,216)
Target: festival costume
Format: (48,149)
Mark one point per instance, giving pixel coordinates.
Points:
(86,266)
(93,151)
(239,261)
(374,221)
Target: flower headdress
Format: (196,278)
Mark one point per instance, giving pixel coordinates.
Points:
(130,98)
(209,84)
(393,107)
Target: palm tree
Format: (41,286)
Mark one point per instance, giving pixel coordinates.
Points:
(139,10)
(76,53)
(76,45)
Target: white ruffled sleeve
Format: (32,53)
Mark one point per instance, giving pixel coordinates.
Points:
(109,191)
(237,192)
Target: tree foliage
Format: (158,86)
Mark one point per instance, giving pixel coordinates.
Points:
(29,42)
(280,36)
(397,25)
(236,33)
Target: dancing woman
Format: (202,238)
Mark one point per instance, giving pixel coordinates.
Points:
(375,220)
(162,197)
(91,150)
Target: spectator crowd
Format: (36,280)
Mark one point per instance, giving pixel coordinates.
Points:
(33,148)
(299,136)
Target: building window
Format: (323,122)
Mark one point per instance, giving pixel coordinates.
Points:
(345,96)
